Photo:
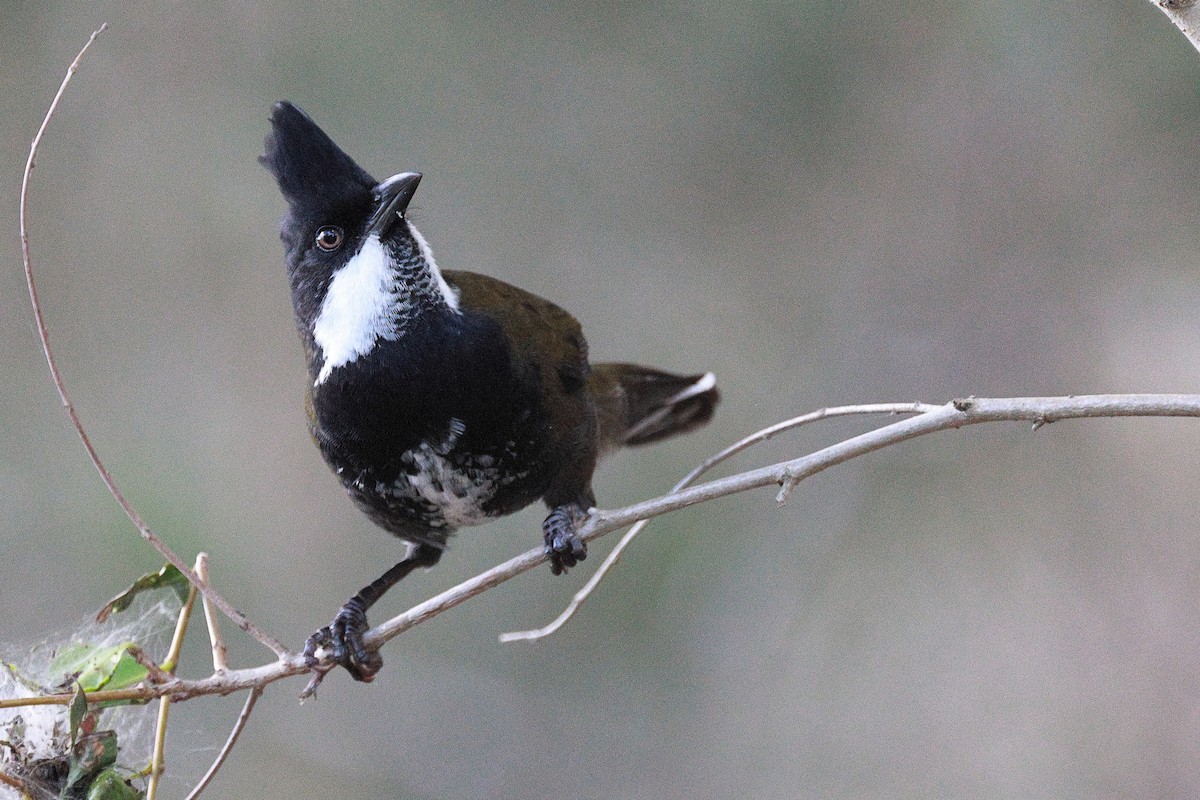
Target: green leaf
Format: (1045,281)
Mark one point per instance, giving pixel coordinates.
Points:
(166,578)
(77,710)
(128,672)
(111,786)
(95,667)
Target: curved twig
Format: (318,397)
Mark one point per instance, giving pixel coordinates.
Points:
(149,535)
(238,727)
(737,447)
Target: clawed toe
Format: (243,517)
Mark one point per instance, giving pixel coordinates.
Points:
(341,642)
(565,547)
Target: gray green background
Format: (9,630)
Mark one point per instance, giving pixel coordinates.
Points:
(824,203)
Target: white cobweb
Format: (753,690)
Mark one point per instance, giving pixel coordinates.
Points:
(42,733)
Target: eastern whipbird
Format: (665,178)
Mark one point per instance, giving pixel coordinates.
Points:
(442,399)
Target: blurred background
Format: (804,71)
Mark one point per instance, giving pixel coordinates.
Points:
(824,203)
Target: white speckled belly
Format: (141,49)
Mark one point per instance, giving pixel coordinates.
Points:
(457,491)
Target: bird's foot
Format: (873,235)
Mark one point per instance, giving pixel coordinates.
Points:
(341,642)
(565,547)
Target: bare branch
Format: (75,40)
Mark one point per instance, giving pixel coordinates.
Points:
(1186,16)
(150,536)
(219,652)
(785,474)
(160,744)
(788,474)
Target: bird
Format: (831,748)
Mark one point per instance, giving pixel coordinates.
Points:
(442,399)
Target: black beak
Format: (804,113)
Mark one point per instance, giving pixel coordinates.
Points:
(393,196)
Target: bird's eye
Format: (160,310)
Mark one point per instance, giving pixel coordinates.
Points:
(329,238)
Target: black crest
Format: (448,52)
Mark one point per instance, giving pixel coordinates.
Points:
(313,173)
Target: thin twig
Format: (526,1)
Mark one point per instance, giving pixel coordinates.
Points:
(160,744)
(171,662)
(150,536)
(219,652)
(737,447)
(238,726)
(164,702)
(154,673)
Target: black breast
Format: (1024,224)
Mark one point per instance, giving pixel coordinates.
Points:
(447,390)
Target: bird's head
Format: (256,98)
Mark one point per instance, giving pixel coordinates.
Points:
(358,268)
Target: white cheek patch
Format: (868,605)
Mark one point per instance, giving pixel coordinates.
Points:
(358,308)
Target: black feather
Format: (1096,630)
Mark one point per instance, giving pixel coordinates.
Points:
(313,173)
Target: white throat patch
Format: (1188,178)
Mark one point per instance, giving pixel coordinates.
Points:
(357,309)
(362,302)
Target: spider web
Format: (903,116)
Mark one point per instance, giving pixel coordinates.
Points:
(40,734)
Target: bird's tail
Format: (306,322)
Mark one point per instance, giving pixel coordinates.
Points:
(639,405)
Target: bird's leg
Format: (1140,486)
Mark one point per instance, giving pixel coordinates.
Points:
(343,638)
(561,530)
